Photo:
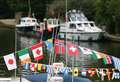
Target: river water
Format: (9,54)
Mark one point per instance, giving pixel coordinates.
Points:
(7,43)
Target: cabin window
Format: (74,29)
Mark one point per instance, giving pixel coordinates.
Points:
(73,18)
(86,24)
(72,26)
(22,20)
(54,22)
(80,25)
(33,20)
(49,22)
(92,24)
(28,20)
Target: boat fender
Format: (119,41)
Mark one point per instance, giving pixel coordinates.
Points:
(49,28)
(75,72)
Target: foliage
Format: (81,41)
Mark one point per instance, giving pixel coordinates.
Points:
(103,12)
(4,9)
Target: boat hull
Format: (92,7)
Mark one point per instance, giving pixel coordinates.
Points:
(43,35)
(25,28)
(82,36)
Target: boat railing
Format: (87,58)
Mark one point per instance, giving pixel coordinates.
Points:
(48,23)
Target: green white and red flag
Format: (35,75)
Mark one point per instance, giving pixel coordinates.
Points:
(96,55)
(24,56)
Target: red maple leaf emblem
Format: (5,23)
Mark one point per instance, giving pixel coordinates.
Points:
(38,52)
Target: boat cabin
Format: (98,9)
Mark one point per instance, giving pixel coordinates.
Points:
(28,21)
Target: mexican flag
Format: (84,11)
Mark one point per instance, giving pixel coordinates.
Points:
(10,61)
(37,51)
(24,56)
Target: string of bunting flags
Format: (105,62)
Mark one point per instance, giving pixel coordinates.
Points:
(109,73)
(37,52)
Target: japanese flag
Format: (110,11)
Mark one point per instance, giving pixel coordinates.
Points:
(37,51)
(10,61)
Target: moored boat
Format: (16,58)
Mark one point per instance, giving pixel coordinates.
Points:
(80,27)
(30,27)
(27,24)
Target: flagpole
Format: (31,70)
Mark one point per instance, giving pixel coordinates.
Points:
(66,33)
(29,13)
(15,46)
(56,32)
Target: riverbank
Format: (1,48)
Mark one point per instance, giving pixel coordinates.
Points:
(112,38)
(7,23)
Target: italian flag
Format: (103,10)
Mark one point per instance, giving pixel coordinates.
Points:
(10,61)
(107,59)
(37,51)
(24,56)
(96,55)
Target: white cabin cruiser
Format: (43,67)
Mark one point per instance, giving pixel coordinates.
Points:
(27,23)
(79,27)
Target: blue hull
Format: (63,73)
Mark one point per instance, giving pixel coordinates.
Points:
(67,78)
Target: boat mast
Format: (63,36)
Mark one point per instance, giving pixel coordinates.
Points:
(29,6)
(66,17)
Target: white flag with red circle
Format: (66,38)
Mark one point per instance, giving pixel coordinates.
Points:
(10,61)
(37,51)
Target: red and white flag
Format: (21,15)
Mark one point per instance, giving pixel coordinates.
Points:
(10,61)
(86,51)
(72,49)
(37,51)
(59,47)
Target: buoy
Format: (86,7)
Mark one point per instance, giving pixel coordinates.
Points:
(75,72)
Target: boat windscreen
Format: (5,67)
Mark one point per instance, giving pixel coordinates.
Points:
(86,25)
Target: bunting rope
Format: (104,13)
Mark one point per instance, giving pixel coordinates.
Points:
(110,73)
(87,51)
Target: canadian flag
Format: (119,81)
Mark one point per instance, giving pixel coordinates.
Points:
(37,51)
(10,61)
(72,49)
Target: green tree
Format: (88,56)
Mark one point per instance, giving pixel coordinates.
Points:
(4,9)
(114,18)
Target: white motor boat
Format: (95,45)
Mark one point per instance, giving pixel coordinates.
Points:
(80,28)
(27,23)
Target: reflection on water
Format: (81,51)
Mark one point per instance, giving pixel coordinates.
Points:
(110,48)
(7,41)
